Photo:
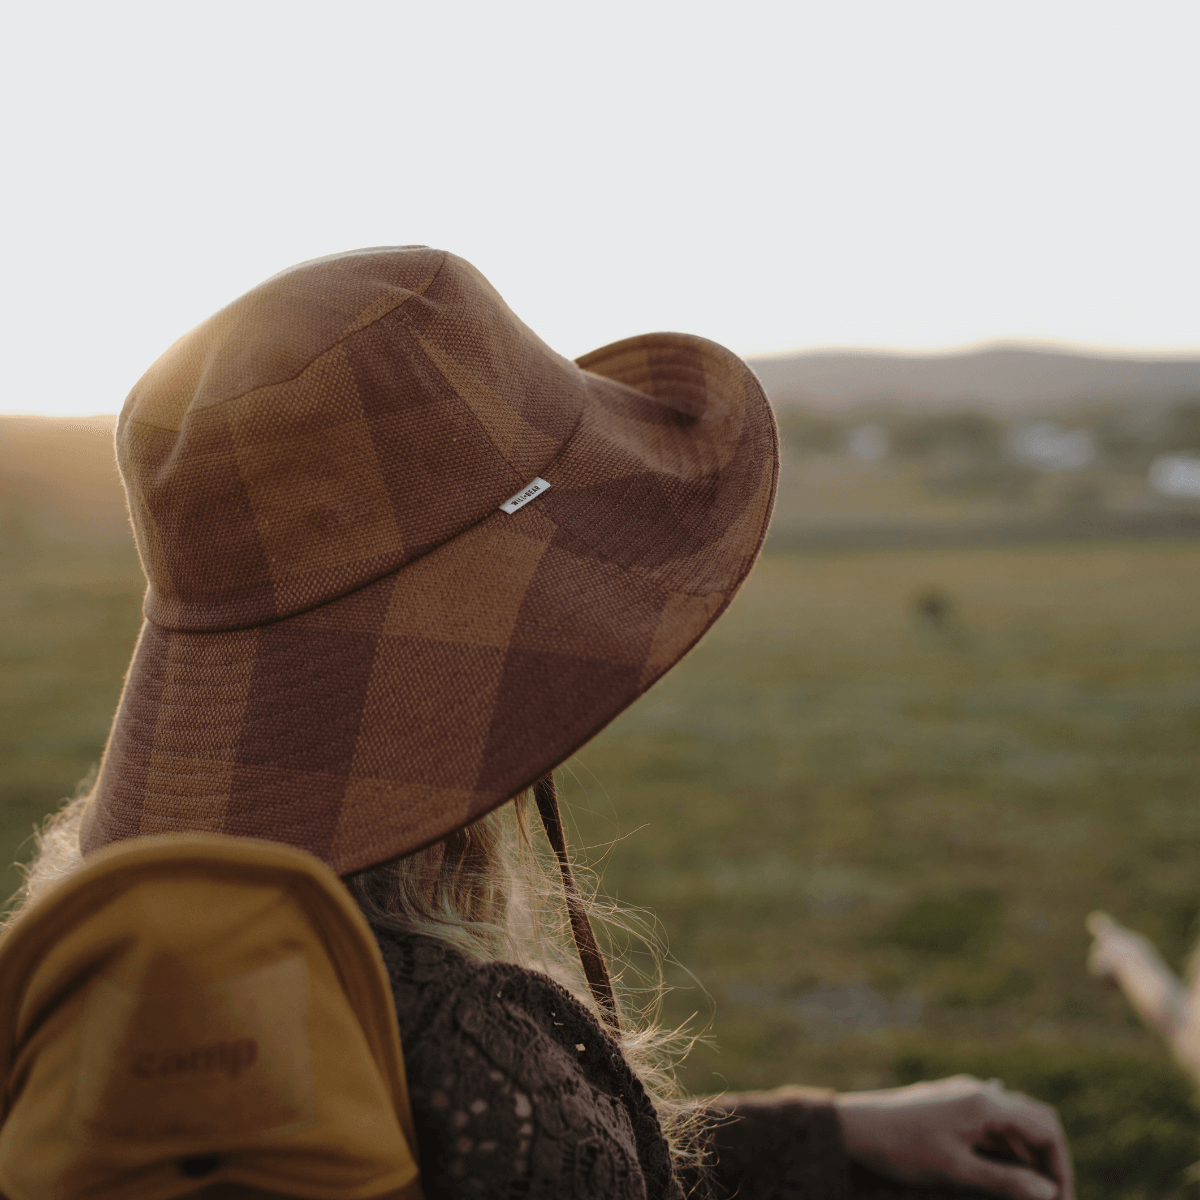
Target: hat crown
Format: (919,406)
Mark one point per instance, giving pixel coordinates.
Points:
(341,419)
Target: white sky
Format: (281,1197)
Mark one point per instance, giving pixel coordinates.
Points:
(774,175)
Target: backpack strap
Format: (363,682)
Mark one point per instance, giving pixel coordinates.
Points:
(194,1013)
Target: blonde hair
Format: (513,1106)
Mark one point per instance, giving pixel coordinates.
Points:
(57,854)
(490,892)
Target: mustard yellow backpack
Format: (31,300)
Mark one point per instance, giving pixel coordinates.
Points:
(193,1015)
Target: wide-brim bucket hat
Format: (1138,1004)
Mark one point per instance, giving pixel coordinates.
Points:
(349,645)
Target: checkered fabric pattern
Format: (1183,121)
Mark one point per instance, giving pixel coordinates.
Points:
(347,646)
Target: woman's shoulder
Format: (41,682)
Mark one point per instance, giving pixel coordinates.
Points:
(436,985)
(522,1022)
(513,1081)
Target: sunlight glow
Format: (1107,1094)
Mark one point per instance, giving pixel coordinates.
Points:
(774,175)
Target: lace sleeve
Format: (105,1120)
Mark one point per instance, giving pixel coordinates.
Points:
(787,1145)
(782,1145)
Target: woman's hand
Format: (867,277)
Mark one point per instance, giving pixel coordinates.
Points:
(932,1134)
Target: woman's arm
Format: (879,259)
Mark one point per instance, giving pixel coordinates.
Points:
(785,1144)
(797,1143)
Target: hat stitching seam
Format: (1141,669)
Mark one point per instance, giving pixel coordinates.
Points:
(491,512)
(217,404)
(639,573)
(483,428)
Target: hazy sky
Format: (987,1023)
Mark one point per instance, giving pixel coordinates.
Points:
(901,173)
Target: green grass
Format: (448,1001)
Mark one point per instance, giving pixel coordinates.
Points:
(871,839)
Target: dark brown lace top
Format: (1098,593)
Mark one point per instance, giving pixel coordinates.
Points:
(518,1092)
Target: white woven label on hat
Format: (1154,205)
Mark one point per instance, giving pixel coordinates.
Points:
(523,497)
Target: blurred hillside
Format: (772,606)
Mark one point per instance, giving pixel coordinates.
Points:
(993,447)
(1008,381)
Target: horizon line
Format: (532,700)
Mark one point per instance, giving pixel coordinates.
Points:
(961,349)
(1047,346)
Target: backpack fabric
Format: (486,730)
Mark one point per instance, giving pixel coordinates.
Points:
(198,1014)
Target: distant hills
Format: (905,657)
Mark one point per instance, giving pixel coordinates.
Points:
(1005,380)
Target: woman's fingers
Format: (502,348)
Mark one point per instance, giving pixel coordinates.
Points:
(1001,1179)
(1035,1124)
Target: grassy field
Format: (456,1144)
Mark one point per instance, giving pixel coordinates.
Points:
(870,811)
(873,838)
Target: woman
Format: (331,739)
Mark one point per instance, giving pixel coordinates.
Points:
(403,560)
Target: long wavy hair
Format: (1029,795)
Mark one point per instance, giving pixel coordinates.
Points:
(491,891)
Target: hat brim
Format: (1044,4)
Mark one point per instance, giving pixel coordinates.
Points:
(380,722)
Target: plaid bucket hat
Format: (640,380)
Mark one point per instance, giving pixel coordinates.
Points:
(404,559)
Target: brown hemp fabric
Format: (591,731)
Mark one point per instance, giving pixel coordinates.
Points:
(347,646)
